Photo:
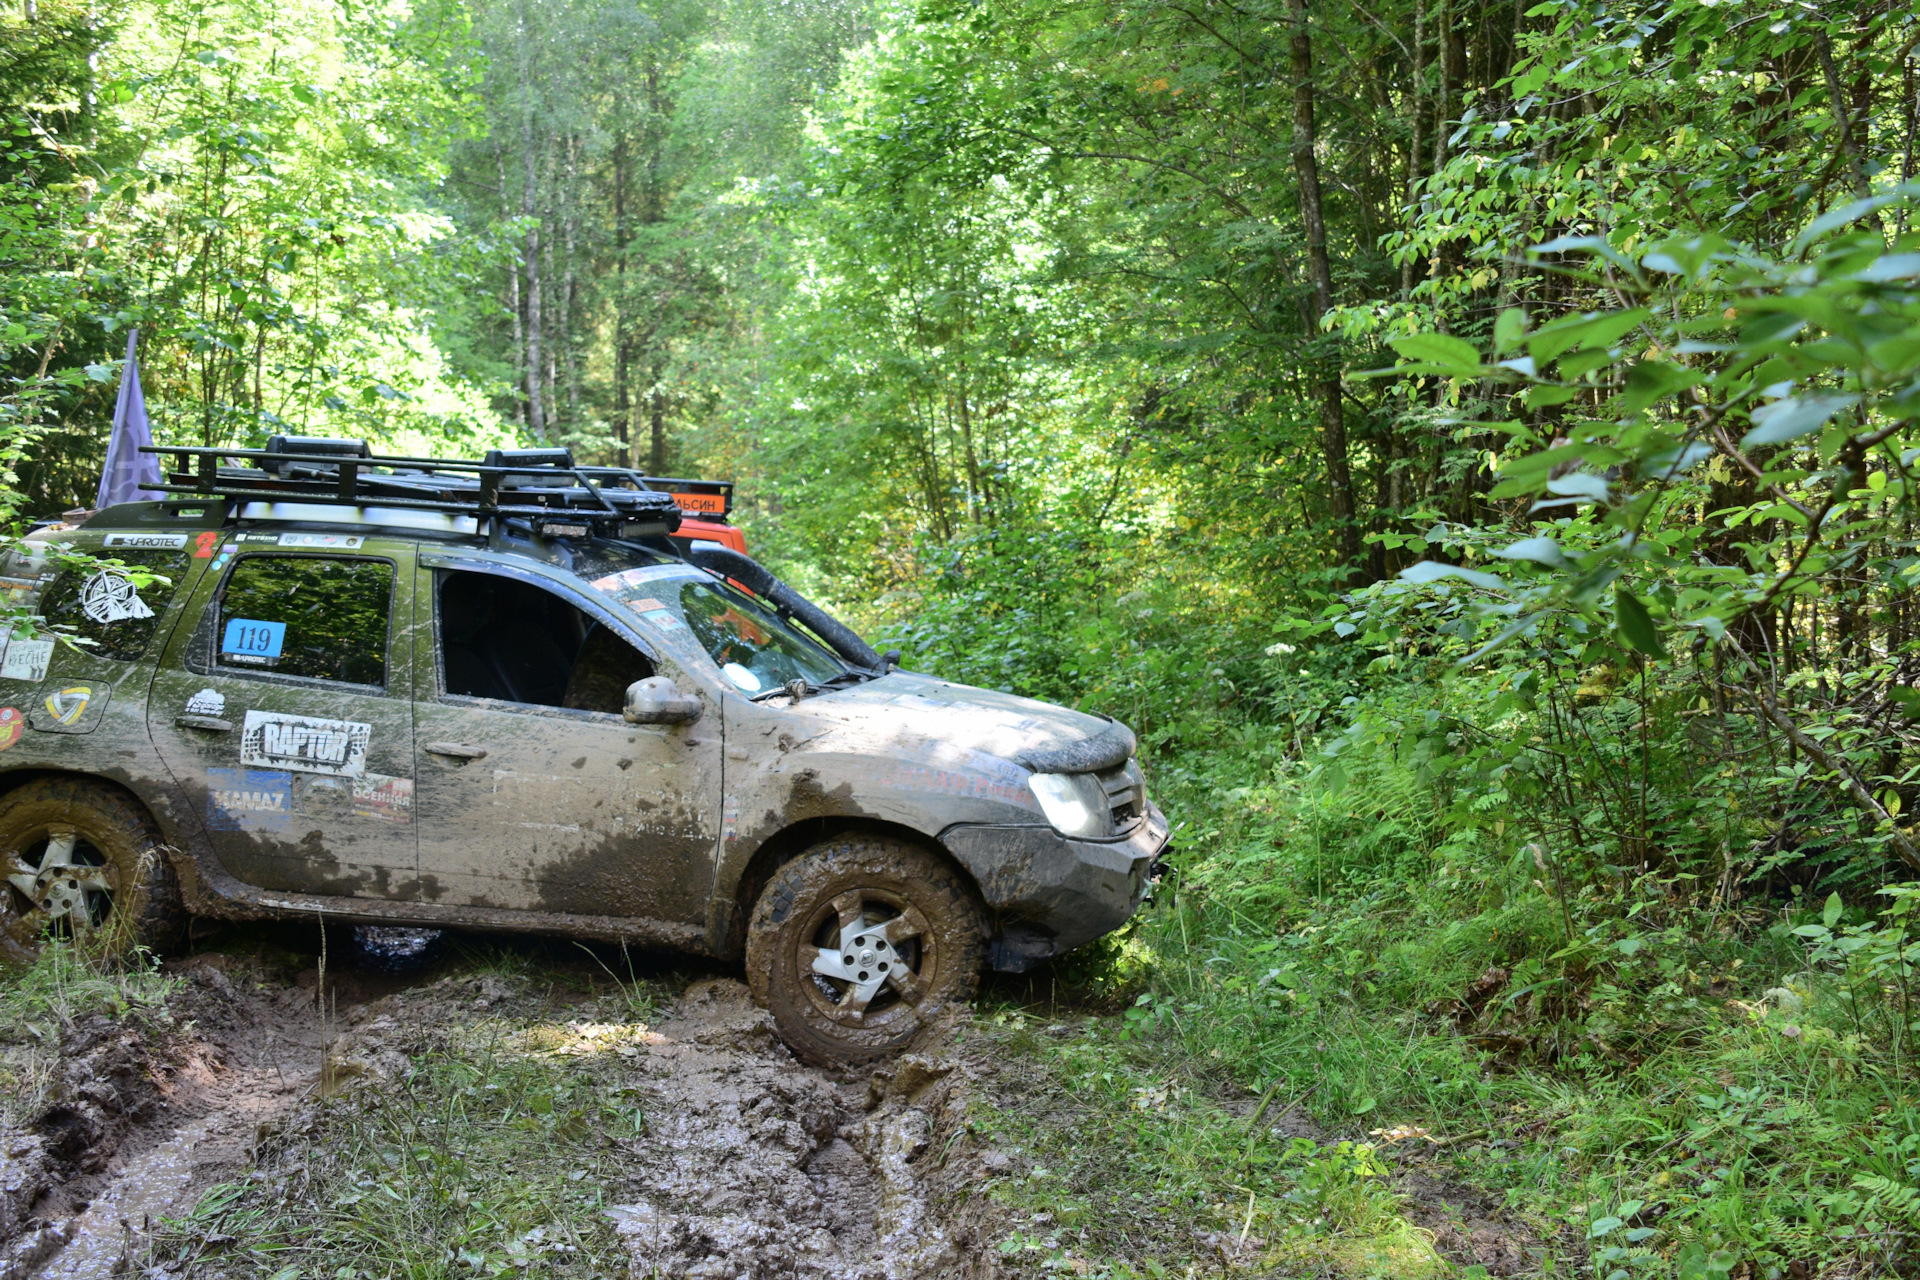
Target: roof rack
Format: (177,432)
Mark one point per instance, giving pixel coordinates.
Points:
(542,487)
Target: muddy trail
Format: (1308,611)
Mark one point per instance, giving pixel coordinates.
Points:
(259,1089)
(518,1110)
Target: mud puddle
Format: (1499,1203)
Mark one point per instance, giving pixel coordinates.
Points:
(147,1111)
(757,1166)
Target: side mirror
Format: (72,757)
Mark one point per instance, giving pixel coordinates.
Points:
(657,700)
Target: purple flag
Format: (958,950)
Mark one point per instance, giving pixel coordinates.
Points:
(127,468)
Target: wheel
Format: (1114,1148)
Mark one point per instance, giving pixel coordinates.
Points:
(82,860)
(857,945)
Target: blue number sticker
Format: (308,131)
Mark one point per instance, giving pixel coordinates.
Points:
(247,639)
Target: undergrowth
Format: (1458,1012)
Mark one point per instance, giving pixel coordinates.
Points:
(1690,1082)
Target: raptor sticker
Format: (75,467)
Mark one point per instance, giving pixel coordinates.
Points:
(145,541)
(109,596)
(11,723)
(303,743)
(66,706)
(249,800)
(26,660)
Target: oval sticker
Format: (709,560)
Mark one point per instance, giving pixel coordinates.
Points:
(11,723)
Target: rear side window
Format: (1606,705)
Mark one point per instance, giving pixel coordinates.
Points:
(104,606)
(322,618)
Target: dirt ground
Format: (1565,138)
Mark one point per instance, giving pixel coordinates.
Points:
(751,1164)
(530,1111)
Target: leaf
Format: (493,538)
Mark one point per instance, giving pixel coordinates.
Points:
(1830,913)
(1579,484)
(1445,354)
(1433,571)
(1636,624)
(1547,394)
(1593,330)
(1892,266)
(1601,1226)
(1539,550)
(1510,330)
(1793,417)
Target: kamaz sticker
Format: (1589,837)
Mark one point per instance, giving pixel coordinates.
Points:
(11,723)
(146,541)
(66,706)
(331,541)
(26,660)
(207,702)
(304,743)
(109,596)
(249,800)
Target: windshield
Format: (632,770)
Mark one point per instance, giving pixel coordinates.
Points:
(753,646)
(750,644)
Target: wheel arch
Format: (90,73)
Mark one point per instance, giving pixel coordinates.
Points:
(795,839)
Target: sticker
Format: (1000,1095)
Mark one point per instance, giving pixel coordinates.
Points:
(249,640)
(68,705)
(658,614)
(336,541)
(306,744)
(384,799)
(26,660)
(249,800)
(203,543)
(109,596)
(11,724)
(147,541)
(258,537)
(207,702)
(327,799)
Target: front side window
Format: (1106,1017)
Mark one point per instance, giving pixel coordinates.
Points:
(512,641)
(318,617)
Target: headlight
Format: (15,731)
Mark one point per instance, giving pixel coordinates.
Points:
(1075,803)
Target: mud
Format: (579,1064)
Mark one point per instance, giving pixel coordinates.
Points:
(148,1111)
(757,1167)
(752,1165)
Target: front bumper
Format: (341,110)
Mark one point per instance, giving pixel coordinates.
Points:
(1049,894)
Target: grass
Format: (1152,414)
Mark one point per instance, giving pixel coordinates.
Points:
(1660,1083)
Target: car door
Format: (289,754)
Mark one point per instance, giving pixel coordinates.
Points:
(534,792)
(283,707)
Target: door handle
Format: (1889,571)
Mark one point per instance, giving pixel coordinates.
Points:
(456,750)
(205,722)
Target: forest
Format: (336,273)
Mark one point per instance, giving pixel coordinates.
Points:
(1471,444)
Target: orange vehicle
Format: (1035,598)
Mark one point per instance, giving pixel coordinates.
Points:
(704,508)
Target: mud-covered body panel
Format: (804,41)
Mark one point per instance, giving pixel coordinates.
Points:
(934,757)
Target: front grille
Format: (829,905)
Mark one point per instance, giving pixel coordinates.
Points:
(1126,792)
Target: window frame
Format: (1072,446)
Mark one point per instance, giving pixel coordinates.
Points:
(209,664)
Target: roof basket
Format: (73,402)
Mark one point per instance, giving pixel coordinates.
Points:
(541,487)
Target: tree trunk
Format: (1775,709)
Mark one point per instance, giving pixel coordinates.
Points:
(536,405)
(1326,371)
(622,340)
(657,421)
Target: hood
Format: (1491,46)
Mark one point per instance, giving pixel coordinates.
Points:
(922,715)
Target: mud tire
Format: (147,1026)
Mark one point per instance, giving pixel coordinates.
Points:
(799,903)
(143,906)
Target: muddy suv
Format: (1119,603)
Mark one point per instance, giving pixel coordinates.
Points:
(498,696)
